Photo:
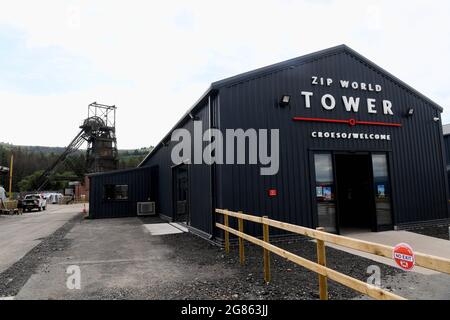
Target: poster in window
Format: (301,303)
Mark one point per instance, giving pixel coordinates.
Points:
(319,192)
(327,193)
(381,191)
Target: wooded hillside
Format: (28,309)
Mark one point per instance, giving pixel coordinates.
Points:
(31,161)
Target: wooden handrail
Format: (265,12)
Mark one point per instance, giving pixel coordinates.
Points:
(341,278)
(424,260)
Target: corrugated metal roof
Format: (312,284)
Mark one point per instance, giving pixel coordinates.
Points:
(95,174)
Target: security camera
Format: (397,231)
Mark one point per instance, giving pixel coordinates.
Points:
(436,119)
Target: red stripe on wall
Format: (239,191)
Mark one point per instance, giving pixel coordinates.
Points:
(386,124)
(351,122)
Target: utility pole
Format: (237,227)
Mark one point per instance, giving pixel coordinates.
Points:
(10,176)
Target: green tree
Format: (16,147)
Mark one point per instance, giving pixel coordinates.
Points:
(30,182)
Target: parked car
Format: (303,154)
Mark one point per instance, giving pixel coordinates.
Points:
(53,197)
(34,201)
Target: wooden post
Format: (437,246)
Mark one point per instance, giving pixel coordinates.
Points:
(227,235)
(266,253)
(11,176)
(322,260)
(241,241)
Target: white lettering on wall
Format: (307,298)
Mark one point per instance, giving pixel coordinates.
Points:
(331,104)
(351,104)
(350,135)
(371,105)
(387,107)
(344,84)
(347,84)
(321,81)
(307,96)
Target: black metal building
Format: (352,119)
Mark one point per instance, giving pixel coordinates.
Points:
(446,131)
(358,148)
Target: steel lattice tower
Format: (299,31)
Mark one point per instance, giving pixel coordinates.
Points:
(100,133)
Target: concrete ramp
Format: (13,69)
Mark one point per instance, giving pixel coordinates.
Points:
(419,243)
(160,229)
(420,283)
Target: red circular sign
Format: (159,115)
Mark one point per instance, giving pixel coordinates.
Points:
(404,256)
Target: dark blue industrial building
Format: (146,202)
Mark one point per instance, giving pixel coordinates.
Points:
(446,130)
(358,148)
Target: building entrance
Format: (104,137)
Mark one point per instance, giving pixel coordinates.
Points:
(352,191)
(355,201)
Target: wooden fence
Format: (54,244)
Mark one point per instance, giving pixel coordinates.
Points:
(321,237)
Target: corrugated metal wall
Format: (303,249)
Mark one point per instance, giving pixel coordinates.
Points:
(199,179)
(447,155)
(138,181)
(416,159)
(415,152)
(447,148)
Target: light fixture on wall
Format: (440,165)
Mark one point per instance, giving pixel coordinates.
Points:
(410,112)
(192,116)
(284,101)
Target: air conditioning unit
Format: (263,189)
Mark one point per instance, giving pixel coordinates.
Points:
(146,209)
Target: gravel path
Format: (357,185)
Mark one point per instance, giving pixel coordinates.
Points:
(441,232)
(202,262)
(15,277)
(289,281)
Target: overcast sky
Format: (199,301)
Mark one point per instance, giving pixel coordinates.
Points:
(153,59)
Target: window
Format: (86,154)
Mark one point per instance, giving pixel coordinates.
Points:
(325,194)
(382,188)
(115,192)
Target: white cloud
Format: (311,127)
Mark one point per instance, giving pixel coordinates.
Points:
(159,57)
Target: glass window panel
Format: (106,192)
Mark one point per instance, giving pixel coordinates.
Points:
(121,192)
(108,192)
(115,192)
(325,192)
(382,189)
(324,168)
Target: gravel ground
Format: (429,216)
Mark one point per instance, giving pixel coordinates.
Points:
(289,281)
(440,232)
(15,277)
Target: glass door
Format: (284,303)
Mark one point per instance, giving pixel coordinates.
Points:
(382,189)
(325,191)
(181,193)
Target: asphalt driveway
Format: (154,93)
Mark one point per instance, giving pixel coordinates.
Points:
(20,234)
(117,258)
